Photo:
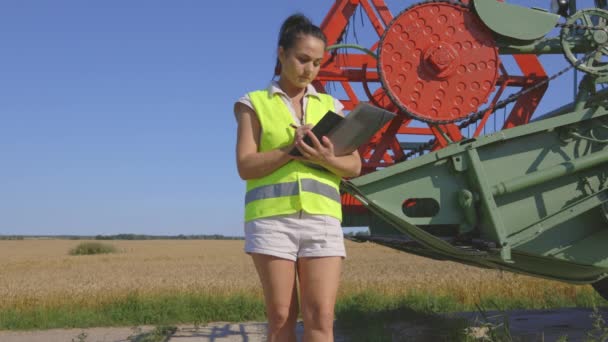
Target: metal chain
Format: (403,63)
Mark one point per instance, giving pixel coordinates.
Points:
(474,117)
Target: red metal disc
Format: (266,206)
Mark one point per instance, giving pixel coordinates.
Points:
(438,62)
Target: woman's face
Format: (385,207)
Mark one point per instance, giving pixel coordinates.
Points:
(300,64)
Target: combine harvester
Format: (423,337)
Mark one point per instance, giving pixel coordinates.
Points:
(530,197)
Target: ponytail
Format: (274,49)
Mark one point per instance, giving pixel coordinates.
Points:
(293,27)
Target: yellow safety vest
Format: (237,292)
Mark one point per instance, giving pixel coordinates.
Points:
(294,186)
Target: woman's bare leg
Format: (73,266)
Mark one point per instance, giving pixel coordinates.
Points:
(319,280)
(280,294)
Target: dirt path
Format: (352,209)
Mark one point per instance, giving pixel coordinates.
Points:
(525,325)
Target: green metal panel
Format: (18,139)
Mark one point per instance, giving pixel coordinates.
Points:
(544,46)
(528,199)
(499,16)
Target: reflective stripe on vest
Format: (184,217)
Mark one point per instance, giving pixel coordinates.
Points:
(291,189)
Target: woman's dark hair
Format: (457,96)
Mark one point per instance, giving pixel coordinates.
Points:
(293,27)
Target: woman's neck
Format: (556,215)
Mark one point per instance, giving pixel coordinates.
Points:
(290,90)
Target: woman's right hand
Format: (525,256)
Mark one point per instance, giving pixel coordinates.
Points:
(299,134)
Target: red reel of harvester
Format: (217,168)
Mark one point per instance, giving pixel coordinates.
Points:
(438,62)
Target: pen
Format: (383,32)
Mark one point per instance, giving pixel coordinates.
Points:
(293,126)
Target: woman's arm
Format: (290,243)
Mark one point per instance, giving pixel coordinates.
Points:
(251,163)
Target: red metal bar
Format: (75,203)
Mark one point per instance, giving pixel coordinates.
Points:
(415,130)
(353,61)
(350,75)
(336,20)
(486,115)
(387,141)
(376,22)
(383,11)
(526,105)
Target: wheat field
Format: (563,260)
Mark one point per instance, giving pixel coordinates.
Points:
(38,272)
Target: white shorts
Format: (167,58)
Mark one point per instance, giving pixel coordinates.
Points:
(294,236)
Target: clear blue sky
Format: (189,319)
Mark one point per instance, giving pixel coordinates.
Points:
(116,116)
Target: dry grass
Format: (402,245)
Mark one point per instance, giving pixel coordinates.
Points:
(41,273)
(397,273)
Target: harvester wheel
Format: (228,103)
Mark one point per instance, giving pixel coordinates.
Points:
(602,287)
(438,62)
(598,37)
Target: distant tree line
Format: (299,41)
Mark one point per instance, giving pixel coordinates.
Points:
(123,237)
(166,237)
(11,237)
(141,237)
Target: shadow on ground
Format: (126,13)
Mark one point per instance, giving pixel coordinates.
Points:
(245,332)
(401,324)
(569,324)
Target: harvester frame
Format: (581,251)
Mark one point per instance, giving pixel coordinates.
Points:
(457,197)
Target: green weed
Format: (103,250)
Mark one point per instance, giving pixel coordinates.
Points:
(90,248)
(159,334)
(82,337)
(600,329)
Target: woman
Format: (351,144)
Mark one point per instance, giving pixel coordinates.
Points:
(292,210)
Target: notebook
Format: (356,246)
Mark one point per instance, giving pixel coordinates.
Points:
(349,132)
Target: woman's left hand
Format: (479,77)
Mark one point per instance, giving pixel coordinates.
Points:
(320,152)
